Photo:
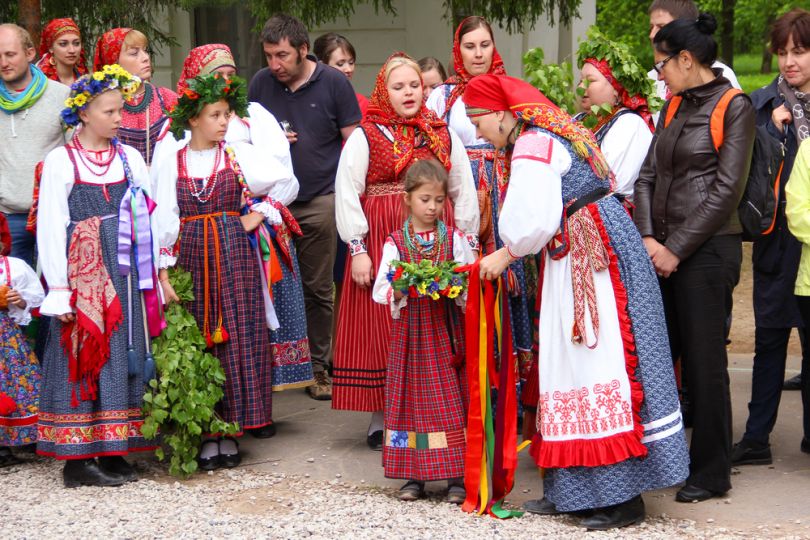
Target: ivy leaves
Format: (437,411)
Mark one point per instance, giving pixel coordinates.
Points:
(180,402)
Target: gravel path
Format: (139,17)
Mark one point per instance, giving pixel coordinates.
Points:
(242,503)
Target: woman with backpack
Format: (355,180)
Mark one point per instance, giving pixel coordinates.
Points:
(686,200)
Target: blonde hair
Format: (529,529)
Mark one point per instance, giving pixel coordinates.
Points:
(22,34)
(134,38)
(400,61)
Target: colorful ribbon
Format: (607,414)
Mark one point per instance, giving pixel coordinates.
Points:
(135,232)
(491,458)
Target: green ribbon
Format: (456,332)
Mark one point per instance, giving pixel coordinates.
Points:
(11,104)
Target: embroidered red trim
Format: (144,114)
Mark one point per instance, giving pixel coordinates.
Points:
(619,447)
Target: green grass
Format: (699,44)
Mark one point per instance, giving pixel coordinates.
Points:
(746,67)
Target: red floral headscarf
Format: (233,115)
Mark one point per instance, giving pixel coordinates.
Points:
(462,76)
(51,32)
(108,47)
(203,60)
(635,103)
(381,111)
(488,93)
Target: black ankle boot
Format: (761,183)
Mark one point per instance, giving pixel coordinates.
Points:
(86,472)
(118,465)
(614,517)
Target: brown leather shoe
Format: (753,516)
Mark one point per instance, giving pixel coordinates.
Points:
(322,389)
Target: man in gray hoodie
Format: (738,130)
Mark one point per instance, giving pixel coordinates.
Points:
(30,127)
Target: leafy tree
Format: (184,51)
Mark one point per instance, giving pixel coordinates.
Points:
(94,17)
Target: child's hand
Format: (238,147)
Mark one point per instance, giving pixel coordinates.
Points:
(251,221)
(14,298)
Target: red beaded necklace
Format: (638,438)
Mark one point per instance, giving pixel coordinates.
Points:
(102,165)
(209,186)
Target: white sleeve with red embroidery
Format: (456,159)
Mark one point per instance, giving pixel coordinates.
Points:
(166,217)
(531,212)
(350,184)
(25,281)
(383,293)
(461,189)
(53,218)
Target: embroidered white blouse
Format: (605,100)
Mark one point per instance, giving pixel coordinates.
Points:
(350,184)
(53,216)
(24,280)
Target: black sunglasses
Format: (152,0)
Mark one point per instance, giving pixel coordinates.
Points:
(658,66)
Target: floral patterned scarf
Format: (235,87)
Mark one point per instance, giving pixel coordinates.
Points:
(404,130)
(86,340)
(50,34)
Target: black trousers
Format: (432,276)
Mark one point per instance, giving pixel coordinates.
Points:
(767,379)
(697,299)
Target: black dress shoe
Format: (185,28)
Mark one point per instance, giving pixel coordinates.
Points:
(86,472)
(264,432)
(793,383)
(7,459)
(543,507)
(118,465)
(748,452)
(229,461)
(805,446)
(210,463)
(690,493)
(614,517)
(375,440)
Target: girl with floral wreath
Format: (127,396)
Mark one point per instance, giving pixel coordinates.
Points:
(201,191)
(61,53)
(145,119)
(92,391)
(397,131)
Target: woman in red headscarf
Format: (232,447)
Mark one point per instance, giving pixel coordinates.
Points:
(612,77)
(61,53)
(474,54)
(609,425)
(397,131)
(144,120)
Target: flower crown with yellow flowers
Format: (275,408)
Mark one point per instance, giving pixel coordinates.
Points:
(87,87)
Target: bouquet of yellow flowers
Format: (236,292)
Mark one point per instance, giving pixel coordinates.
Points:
(427,279)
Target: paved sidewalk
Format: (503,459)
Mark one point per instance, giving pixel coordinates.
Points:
(772,500)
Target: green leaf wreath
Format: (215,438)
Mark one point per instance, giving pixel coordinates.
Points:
(625,67)
(180,402)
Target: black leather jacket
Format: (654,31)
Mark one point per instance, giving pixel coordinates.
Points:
(687,192)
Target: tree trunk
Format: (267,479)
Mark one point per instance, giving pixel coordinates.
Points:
(727,36)
(767,60)
(31,18)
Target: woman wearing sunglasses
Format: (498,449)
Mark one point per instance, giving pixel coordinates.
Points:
(686,200)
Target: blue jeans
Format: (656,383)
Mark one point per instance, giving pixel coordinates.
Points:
(23,242)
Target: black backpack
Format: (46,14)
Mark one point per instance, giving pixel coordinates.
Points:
(760,202)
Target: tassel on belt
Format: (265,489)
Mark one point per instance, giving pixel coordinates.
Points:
(588,255)
(220,334)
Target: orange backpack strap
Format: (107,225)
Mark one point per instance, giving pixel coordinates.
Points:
(672,108)
(719,116)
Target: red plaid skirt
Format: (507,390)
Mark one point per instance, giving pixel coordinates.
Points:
(425,390)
